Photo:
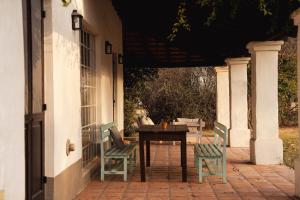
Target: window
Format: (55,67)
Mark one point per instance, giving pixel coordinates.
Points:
(88,97)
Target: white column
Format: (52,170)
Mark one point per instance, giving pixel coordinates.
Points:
(223,111)
(239,132)
(265,146)
(296,17)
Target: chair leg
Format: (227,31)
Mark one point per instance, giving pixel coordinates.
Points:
(102,170)
(125,169)
(224,170)
(132,162)
(109,163)
(134,157)
(129,160)
(195,159)
(200,169)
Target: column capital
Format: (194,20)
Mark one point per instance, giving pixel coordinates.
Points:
(221,69)
(265,46)
(237,61)
(296,17)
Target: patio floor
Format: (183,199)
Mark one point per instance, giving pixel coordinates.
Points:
(245,181)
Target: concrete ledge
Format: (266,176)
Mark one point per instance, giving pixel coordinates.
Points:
(266,151)
(237,61)
(264,46)
(222,69)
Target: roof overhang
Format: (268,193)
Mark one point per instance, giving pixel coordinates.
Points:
(146,25)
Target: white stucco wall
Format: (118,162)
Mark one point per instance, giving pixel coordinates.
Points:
(63,75)
(120,97)
(103,21)
(12,143)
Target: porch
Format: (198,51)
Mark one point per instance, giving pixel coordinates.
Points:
(245,180)
(59,84)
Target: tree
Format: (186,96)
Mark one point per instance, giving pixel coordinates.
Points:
(134,85)
(287,92)
(215,10)
(173,93)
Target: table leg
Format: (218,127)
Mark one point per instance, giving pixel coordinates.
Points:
(181,157)
(183,160)
(142,160)
(148,153)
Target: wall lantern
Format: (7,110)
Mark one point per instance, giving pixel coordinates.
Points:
(76,20)
(120,58)
(108,47)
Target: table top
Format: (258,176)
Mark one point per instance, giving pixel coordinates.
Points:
(159,129)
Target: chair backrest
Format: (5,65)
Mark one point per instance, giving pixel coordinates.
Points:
(221,133)
(105,137)
(188,120)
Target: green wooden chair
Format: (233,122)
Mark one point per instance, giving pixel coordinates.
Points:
(115,160)
(214,155)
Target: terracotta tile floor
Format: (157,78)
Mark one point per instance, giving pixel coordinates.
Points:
(245,181)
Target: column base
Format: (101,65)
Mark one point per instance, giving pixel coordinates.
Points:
(297,177)
(266,151)
(239,138)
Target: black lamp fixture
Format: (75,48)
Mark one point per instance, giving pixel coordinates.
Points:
(108,47)
(120,58)
(76,20)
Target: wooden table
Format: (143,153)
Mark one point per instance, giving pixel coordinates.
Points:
(157,133)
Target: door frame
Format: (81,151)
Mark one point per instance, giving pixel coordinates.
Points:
(27,25)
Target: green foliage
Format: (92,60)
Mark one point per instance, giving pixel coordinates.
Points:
(262,6)
(130,104)
(173,93)
(181,92)
(287,91)
(212,9)
(249,96)
(134,85)
(181,22)
(234,5)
